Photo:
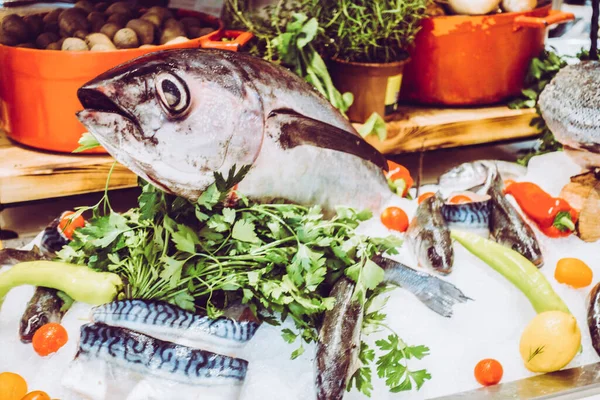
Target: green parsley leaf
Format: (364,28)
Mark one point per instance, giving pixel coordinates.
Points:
(185,239)
(244,231)
(210,197)
(297,353)
(288,335)
(87,141)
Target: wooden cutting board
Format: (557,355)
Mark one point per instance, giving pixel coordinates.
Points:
(415,128)
(27,174)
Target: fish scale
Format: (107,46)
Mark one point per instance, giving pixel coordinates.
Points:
(144,354)
(159,318)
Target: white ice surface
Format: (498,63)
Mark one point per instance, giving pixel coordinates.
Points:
(488,327)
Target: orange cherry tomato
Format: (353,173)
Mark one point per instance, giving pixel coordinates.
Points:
(12,386)
(460,199)
(425,196)
(394,218)
(68,225)
(573,272)
(49,339)
(488,372)
(36,395)
(508,182)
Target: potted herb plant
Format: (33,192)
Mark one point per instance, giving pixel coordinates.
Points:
(368,42)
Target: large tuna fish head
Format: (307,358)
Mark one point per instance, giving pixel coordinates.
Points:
(175,117)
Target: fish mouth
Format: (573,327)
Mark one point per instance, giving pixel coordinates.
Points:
(94,100)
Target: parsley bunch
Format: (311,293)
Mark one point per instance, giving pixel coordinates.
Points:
(279,259)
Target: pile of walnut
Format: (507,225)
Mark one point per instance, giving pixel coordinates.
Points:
(100,27)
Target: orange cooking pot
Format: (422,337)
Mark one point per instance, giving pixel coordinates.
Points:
(38,88)
(475,60)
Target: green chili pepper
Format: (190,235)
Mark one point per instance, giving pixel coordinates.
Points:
(516,268)
(79,282)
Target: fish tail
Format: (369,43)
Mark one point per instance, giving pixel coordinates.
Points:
(438,295)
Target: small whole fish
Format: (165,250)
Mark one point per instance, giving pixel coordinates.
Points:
(593,317)
(426,287)
(105,349)
(429,236)
(473,216)
(339,342)
(570,106)
(508,227)
(165,321)
(53,238)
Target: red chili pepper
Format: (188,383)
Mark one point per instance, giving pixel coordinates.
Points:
(398,178)
(554,216)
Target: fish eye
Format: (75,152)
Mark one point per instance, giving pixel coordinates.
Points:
(173,93)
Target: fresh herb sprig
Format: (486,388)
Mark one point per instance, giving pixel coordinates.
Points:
(278,259)
(541,71)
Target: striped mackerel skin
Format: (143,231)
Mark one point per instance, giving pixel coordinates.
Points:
(150,356)
(158,318)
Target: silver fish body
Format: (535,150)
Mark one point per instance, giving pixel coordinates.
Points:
(137,357)
(339,342)
(570,105)
(440,296)
(176,117)
(429,236)
(164,321)
(508,227)
(593,316)
(44,307)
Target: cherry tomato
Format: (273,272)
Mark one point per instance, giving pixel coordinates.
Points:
(12,386)
(49,338)
(68,225)
(488,372)
(36,395)
(508,182)
(573,272)
(425,196)
(394,218)
(460,199)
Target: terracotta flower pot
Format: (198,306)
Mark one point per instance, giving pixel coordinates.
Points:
(375,86)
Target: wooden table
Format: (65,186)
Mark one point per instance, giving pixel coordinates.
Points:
(27,174)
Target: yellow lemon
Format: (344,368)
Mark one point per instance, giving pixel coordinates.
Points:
(550,341)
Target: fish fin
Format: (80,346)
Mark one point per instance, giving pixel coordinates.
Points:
(435,293)
(298,130)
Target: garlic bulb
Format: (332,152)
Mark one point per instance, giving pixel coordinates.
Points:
(518,5)
(473,7)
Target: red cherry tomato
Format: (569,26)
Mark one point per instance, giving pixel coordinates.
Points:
(394,218)
(68,225)
(425,196)
(488,372)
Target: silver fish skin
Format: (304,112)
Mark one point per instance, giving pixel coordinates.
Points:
(473,216)
(105,349)
(167,322)
(508,228)
(593,316)
(429,236)
(45,306)
(570,105)
(177,117)
(438,295)
(473,175)
(339,343)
